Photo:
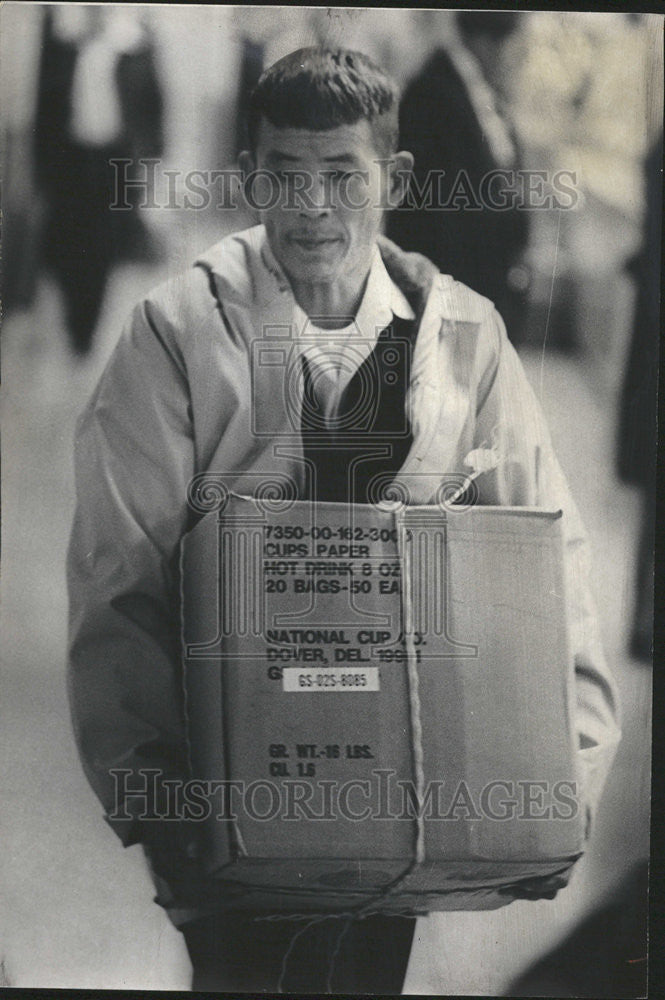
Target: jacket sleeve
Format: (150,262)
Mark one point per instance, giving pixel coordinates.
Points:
(510,425)
(134,457)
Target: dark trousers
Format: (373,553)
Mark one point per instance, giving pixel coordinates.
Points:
(85,237)
(245,952)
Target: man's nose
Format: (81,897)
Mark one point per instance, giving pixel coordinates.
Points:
(315,198)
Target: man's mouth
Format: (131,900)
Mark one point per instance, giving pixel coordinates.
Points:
(313,243)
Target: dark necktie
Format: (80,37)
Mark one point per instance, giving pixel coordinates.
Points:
(367,442)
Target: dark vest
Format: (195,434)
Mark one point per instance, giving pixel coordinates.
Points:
(366,448)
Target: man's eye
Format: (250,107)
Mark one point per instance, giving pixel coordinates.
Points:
(340,175)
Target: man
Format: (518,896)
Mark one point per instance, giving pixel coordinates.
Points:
(180,397)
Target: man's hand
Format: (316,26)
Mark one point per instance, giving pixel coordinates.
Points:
(174,850)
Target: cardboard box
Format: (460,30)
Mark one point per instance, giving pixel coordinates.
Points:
(391,693)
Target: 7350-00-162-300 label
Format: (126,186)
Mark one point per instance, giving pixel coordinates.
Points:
(333,560)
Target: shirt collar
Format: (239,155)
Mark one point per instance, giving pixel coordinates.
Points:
(382,300)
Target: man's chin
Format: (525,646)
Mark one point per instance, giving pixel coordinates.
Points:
(314,270)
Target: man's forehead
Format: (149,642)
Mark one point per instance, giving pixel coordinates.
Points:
(345,143)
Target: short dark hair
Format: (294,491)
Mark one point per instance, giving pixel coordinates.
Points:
(320,88)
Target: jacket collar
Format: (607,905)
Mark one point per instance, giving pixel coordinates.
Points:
(413,274)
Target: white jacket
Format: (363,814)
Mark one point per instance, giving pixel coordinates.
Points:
(179,397)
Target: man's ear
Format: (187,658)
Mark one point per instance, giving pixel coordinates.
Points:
(401,169)
(246,162)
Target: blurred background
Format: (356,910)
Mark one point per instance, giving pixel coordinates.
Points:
(579,285)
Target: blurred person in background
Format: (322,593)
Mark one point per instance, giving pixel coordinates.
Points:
(451,119)
(579,86)
(99,99)
(638,404)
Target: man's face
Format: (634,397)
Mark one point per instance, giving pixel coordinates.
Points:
(333,187)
